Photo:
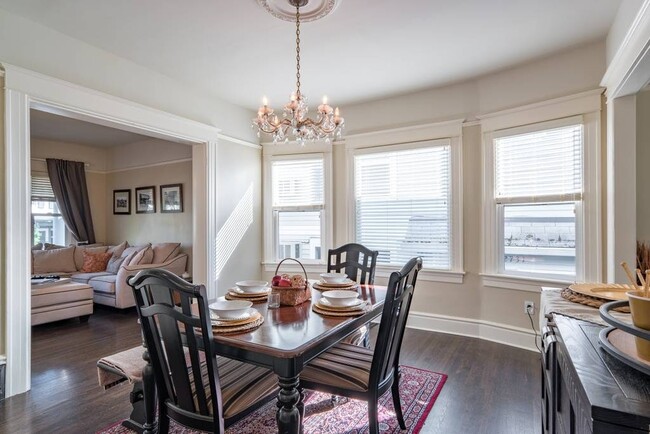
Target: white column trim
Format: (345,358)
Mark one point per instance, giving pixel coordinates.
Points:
(17,248)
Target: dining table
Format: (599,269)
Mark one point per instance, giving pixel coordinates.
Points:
(288,339)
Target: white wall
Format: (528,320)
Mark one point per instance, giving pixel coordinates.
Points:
(33,46)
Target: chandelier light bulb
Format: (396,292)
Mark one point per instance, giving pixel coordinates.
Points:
(265,101)
(324,99)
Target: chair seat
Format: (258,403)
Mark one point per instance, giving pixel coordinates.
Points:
(343,366)
(243,386)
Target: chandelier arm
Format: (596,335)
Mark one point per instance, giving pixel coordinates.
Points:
(298,49)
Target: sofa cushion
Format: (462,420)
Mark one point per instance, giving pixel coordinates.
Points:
(48,246)
(104,284)
(143,257)
(85,277)
(47,261)
(163,252)
(119,249)
(114,263)
(79,254)
(94,262)
(38,246)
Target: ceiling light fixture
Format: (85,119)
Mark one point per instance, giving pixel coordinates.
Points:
(295,122)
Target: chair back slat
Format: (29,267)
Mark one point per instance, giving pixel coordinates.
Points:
(393,321)
(179,343)
(359,262)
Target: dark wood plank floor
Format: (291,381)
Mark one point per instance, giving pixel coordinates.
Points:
(492,388)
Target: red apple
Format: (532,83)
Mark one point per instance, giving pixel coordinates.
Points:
(284,283)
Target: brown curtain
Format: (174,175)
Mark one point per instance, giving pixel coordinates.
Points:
(68,179)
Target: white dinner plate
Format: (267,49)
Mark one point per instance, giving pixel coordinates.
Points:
(348,282)
(243,316)
(261,292)
(325,302)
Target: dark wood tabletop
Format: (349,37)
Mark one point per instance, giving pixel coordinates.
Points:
(289,338)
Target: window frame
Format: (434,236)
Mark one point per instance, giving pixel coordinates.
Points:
(270,216)
(455,273)
(588,228)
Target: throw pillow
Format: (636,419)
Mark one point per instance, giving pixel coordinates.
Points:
(114,264)
(162,252)
(143,257)
(119,249)
(95,262)
(53,261)
(79,257)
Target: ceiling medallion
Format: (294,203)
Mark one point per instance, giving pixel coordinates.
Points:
(310,10)
(295,122)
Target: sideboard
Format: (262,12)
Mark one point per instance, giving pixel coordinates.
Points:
(584,389)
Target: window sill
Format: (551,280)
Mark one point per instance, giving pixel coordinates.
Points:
(382,271)
(520,283)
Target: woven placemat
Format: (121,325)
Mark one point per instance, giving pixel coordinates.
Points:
(596,302)
(223,330)
(340,313)
(329,286)
(244,295)
(254,300)
(232,323)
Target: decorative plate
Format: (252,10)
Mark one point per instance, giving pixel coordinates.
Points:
(606,291)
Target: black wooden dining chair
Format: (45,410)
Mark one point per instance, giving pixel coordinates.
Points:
(361,373)
(355,260)
(194,387)
(359,263)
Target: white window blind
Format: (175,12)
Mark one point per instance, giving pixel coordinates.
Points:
(403,205)
(298,203)
(298,182)
(541,165)
(42,189)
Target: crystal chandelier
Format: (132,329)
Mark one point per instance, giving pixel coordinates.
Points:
(328,124)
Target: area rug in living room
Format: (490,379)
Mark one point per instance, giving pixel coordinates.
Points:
(418,389)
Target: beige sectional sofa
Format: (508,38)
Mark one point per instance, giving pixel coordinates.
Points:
(110,286)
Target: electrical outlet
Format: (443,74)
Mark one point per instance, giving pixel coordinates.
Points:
(529,307)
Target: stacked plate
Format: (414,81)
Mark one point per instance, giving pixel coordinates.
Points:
(340,303)
(255,291)
(234,316)
(334,281)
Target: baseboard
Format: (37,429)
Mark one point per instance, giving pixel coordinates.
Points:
(490,331)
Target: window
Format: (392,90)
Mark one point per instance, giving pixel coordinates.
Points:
(538,199)
(403,203)
(47,223)
(298,207)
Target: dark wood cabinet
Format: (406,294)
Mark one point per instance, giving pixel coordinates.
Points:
(584,390)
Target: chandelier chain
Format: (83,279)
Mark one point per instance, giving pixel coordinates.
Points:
(298,49)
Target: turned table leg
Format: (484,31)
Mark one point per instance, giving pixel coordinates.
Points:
(288,415)
(149,392)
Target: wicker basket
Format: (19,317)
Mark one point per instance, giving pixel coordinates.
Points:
(290,296)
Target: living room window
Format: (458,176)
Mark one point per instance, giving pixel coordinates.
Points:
(537,200)
(47,223)
(404,203)
(298,207)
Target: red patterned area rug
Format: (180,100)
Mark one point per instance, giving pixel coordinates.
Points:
(418,389)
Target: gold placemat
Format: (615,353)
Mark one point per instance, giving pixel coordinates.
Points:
(222,330)
(338,313)
(254,300)
(605,291)
(322,286)
(569,294)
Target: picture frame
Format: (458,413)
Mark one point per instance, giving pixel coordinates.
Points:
(171,198)
(145,200)
(122,201)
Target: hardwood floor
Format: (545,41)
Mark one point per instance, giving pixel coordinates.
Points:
(491,389)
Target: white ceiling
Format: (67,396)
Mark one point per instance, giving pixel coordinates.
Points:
(49,126)
(365,49)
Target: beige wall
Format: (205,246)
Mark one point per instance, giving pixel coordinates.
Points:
(156,227)
(566,73)
(643,166)
(95,173)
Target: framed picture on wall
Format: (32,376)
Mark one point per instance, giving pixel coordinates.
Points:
(145,200)
(171,198)
(122,201)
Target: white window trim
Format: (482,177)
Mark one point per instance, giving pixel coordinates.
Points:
(270,262)
(456,273)
(585,107)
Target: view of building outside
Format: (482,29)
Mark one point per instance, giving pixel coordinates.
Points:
(299,234)
(540,238)
(47,223)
